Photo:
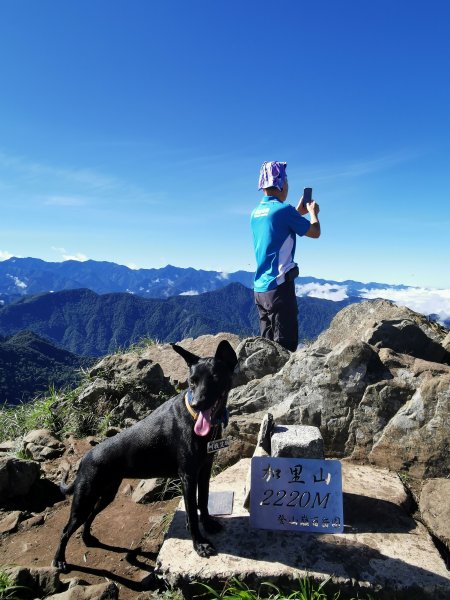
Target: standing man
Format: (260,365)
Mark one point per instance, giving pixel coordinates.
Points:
(275,226)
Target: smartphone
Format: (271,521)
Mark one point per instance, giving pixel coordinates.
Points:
(307,196)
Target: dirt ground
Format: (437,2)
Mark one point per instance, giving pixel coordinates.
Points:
(130,536)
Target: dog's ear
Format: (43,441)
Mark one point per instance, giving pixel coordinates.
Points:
(226,354)
(191,359)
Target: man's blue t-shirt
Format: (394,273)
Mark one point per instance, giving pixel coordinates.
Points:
(275,226)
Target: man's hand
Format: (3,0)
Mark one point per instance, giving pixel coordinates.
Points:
(313,208)
(314,230)
(301,208)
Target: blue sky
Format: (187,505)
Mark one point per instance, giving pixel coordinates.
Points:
(134,131)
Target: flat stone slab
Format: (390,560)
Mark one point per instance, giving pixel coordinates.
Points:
(297,440)
(382,549)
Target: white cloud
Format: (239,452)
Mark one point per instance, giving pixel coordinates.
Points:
(223,275)
(66,256)
(327,291)
(18,283)
(4,255)
(133,267)
(189,293)
(78,256)
(423,300)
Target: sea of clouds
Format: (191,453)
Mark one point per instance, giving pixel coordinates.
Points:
(423,300)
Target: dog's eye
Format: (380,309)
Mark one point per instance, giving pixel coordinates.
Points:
(194,380)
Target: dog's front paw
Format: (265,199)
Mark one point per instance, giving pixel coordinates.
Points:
(204,548)
(61,565)
(212,525)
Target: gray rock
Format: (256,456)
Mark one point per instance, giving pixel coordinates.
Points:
(42,445)
(446,342)
(127,490)
(434,506)
(10,521)
(34,521)
(16,478)
(7,446)
(264,441)
(394,360)
(407,337)
(263,448)
(321,389)
(101,591)
(416,438)
(132,406)
(258,357)
(361,397)
(126,386)
(148,490)
(295,441)
(352,322)
(41,581)
(95,390)
(380,402)
(174,367)
(383,550)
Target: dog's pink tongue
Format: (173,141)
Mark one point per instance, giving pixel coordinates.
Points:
(203,423)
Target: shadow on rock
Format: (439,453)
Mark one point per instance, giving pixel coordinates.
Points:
(149,582)
(364,514)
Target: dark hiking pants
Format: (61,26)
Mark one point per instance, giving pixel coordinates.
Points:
(278,315)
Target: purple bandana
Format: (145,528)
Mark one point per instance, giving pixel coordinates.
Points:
(272,174)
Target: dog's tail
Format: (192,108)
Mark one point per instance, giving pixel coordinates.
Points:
(66,490)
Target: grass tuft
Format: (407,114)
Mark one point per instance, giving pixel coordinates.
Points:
(59,411)
(8,590)
(307,590)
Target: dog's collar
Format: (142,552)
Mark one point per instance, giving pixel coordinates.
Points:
(188,399)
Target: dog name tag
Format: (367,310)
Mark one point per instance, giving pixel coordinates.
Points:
(217,445)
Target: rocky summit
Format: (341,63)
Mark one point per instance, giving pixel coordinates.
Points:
(367,384)
(377,386)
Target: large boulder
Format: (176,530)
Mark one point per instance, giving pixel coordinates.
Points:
(315,388)
(38,581)
(380,402)
(258,357)
(16,478)
(42,445)
(372,402)
(407,337)
(356,320)
(173,365)
(416,438)
(128,386)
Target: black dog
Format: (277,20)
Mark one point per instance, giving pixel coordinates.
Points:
(171,442)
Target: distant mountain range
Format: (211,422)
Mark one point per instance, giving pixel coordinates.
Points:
(51,314)
(24,276)
(30,364)
(86,323)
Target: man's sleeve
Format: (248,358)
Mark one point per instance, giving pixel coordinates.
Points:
(296,222)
